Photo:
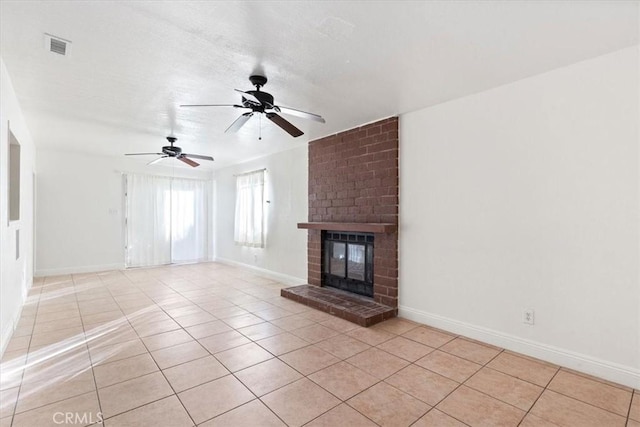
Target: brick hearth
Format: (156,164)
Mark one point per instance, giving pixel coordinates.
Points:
(348,306)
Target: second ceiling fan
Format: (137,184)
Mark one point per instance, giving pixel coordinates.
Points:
(262,102)
(173,151)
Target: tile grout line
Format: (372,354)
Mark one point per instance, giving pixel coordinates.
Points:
(24,366)
(158,366)
(211,354)
(241,382)
(383,380)
(303,376)
(460,384)
(393,336)
(538,398)
(485,365)
(259,398)
(52,402)
(582,401)
(230,373)
(93,374)
(558,369)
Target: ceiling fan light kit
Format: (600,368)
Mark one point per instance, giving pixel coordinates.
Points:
(175,152)
(262,102)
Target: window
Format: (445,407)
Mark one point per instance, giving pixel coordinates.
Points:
(249,219)
(14,178)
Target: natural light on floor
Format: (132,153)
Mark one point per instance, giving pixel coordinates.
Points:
(208,344)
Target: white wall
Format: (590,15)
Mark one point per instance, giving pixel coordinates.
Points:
(16,275)
(527,196)
(286,189)
(80,210)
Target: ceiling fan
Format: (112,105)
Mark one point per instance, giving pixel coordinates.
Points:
(258,101)
(173,151)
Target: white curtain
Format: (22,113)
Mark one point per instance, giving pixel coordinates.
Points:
(167,220)
(189,220)
(148,220)
(249,218)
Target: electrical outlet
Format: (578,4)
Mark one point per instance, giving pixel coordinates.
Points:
(528,316)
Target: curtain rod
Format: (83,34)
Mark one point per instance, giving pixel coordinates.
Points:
(247,173)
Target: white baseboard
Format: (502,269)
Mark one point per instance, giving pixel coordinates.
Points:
(625,375)
(280,277)
(9,328)
(7,331)
(78,269)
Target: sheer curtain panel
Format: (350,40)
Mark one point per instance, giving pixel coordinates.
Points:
(249,216)
(148,220)
(189,220)
(167,220)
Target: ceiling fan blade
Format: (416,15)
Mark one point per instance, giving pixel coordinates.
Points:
(239,122)
(212,105)
(298,113)
(153,162)
(144,154)
(197,156)
(188,161)
(284,124)
(249,97)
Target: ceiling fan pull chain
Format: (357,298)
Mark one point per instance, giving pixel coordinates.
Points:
(260,128)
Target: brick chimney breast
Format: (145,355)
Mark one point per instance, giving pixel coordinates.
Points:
(353,178)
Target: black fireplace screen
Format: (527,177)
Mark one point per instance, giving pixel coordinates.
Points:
(347,260)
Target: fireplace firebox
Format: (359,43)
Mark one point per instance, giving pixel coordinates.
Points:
(347,261)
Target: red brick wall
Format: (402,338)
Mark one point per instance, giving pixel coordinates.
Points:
(353,177)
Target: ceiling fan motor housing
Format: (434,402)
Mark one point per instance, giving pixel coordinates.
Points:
(171,150)
(265,98)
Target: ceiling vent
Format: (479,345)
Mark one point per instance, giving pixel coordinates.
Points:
(57,45)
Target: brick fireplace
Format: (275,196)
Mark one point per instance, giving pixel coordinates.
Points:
(353,187)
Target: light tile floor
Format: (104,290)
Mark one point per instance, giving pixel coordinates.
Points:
(212,345)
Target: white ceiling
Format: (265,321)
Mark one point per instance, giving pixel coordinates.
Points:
(133,62)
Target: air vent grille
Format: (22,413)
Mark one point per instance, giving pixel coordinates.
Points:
(57,45)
